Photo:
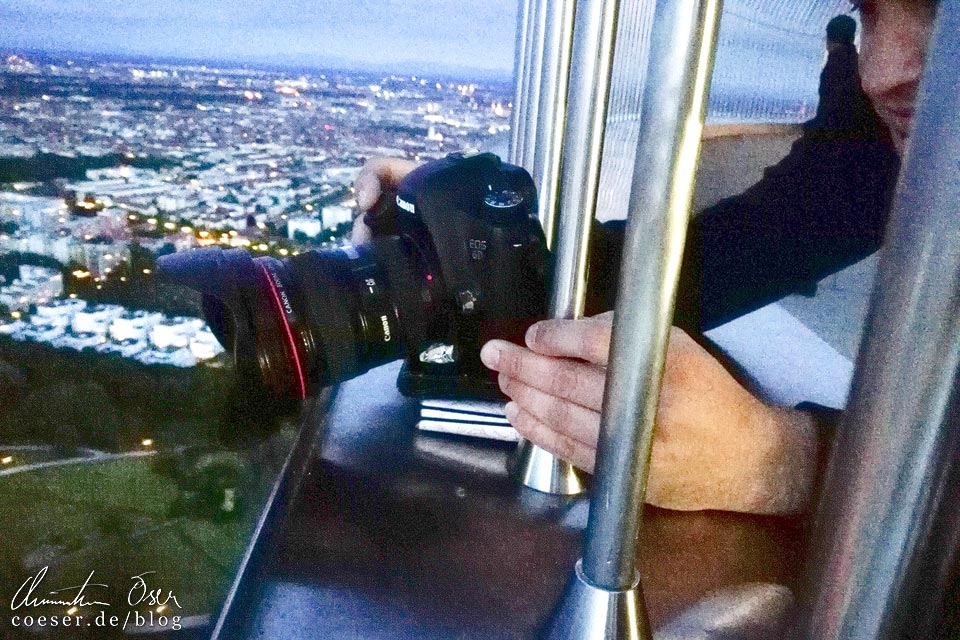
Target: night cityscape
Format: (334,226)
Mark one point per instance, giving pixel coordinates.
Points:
(178,125)
(111,164)
(109,379)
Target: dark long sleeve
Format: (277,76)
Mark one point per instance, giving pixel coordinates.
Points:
(820,209)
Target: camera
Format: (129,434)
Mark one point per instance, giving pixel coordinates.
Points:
(458,256)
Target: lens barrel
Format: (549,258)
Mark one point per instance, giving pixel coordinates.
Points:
(349,310)
(295,324)
(285,346)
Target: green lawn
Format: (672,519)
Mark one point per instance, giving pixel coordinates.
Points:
(112,518)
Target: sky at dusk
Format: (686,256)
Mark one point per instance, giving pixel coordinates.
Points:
(417,34)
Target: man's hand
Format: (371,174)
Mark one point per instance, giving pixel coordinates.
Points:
(716,446)
(377,175)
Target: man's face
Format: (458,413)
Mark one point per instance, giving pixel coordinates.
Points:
(893,46)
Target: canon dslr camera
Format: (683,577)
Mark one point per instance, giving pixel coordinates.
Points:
(458,256)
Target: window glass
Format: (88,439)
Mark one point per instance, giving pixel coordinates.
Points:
(767,67)
(769,56)
(130,130)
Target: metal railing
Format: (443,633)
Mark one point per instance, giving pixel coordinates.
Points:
(888,526)
(576,57)
(603,599)
(886,535)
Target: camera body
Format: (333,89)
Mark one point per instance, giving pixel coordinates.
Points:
(468,228)
(458,256)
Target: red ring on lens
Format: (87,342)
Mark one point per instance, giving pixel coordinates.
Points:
(298,367)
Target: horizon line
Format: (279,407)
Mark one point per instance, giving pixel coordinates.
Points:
(398,68)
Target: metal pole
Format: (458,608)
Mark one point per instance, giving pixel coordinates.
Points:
(521,81)
(535,467)
(555,79)
(531,110)
(590,72)
(603,600)
(674,107)
(885,536)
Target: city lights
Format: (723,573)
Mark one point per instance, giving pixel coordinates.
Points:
(147,442)
(6,459)
(262,155)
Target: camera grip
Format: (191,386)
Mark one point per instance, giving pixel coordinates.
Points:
(382,216)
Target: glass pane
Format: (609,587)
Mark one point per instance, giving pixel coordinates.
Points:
(769,57)
(767,68)
(113,389)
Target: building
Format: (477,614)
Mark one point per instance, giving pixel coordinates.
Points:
(309,226)
(34,286)
(335,214)
(148,337)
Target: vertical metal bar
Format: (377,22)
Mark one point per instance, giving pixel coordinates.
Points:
(521,80)
(558,43)
(536,35)
(594,32)
(879,552)
(590,72)
(674,107)
(535,467)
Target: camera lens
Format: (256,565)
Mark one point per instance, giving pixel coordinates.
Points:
(284,344)
(349,309)
(298,323)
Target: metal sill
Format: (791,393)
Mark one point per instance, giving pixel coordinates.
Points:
(380,532)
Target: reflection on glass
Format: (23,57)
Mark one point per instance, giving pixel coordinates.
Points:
(113,391)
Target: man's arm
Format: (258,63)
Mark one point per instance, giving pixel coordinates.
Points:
(817,211)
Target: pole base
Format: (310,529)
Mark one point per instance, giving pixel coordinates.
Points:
(587,612)
(542,471)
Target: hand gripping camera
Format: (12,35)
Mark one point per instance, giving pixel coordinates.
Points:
(458,257)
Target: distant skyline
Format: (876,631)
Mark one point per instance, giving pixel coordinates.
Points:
(423,35)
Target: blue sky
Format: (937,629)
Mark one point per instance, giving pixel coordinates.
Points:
(422,34)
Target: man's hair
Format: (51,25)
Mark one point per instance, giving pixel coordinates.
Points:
(841,29)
